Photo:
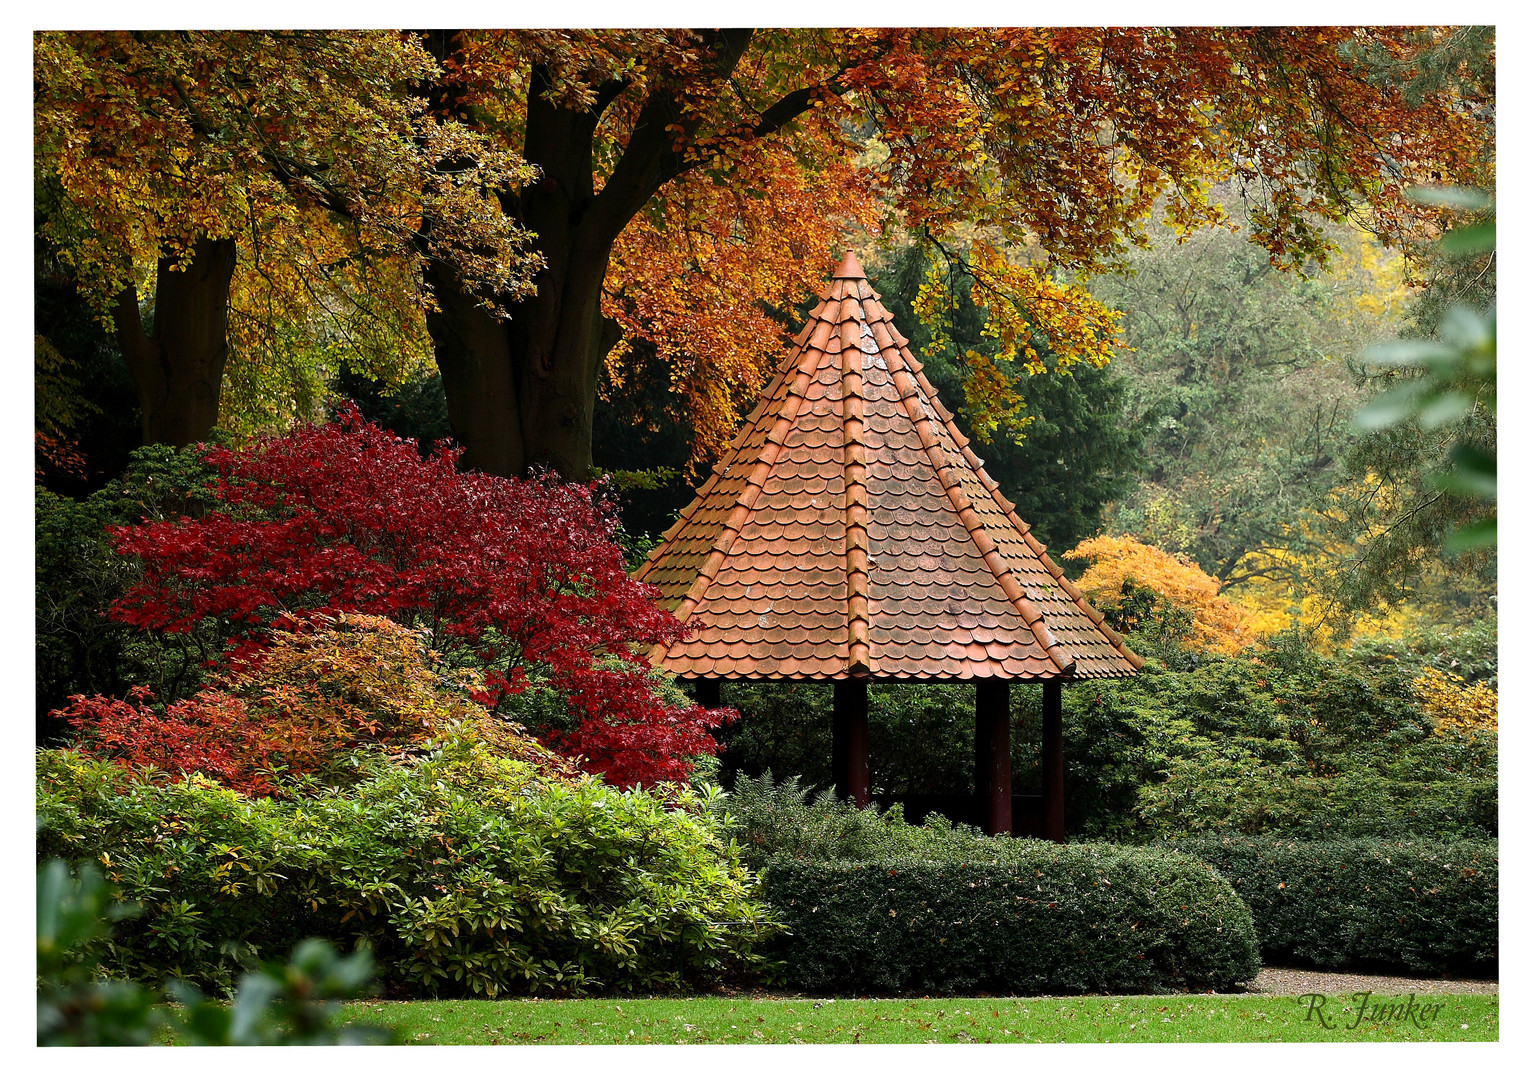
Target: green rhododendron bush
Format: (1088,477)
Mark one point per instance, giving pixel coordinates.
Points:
(464,871)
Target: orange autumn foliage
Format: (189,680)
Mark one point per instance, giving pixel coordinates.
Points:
(681,184)
(697,274)
(297,712)
(1218,625)
(1025,158)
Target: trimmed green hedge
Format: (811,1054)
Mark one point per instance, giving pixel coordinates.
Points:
(1424,906)
(1037,918)
(464,872)
(1228,796)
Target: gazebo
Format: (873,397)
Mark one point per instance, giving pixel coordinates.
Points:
(850,534)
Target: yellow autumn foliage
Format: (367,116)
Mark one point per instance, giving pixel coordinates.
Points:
(363,680)
(1454,705)
(1218,625)
(1275,605)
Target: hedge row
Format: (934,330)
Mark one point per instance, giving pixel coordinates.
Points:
(1418,905)
(1228,797)
(466,874)
(1075,919)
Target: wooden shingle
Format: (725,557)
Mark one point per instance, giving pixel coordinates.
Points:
(849,531)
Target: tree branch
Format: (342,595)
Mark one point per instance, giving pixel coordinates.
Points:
(650,159)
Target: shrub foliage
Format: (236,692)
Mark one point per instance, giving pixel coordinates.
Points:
(877,905)
(1038,918)
(1125,572)
(1420,906)
(520,577)
(464,872)
(1281,740)
(296,714)
(79,576)
(289,1002)
(770,820)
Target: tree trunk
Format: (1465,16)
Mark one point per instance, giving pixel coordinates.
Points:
(521,393)
(477,370)
(178,367)
(562,347)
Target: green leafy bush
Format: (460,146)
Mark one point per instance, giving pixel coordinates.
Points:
(769,819)
(1473,652)
(1364,903)
(1281,739)
(1036,918)
(79,576)
(1219,795)
(464,873)
(876,904)
(74,1006)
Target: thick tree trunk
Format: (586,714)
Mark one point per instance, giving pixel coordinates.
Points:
(521,390)
(561,345)
(555,334)
(477,370)
(522,393)
(178,367)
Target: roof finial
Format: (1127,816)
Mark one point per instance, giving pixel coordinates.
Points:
(849,267)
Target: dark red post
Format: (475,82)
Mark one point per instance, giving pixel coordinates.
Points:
(851,740)
(1053,760)
(994,756)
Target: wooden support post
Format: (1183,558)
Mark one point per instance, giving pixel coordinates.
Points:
(1053,759)
(994,756)
(708,693)
(851,740)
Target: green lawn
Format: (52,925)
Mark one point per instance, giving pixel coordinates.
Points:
(750,1020)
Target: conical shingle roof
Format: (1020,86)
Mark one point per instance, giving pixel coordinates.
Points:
(850,531)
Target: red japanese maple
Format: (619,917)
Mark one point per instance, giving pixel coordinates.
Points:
(208,734)
(519,575)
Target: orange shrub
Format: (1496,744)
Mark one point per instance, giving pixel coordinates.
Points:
(342,683)
(1218,625)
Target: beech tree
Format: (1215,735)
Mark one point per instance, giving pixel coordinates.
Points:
(687,181)
(1043,149)
(266,189)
